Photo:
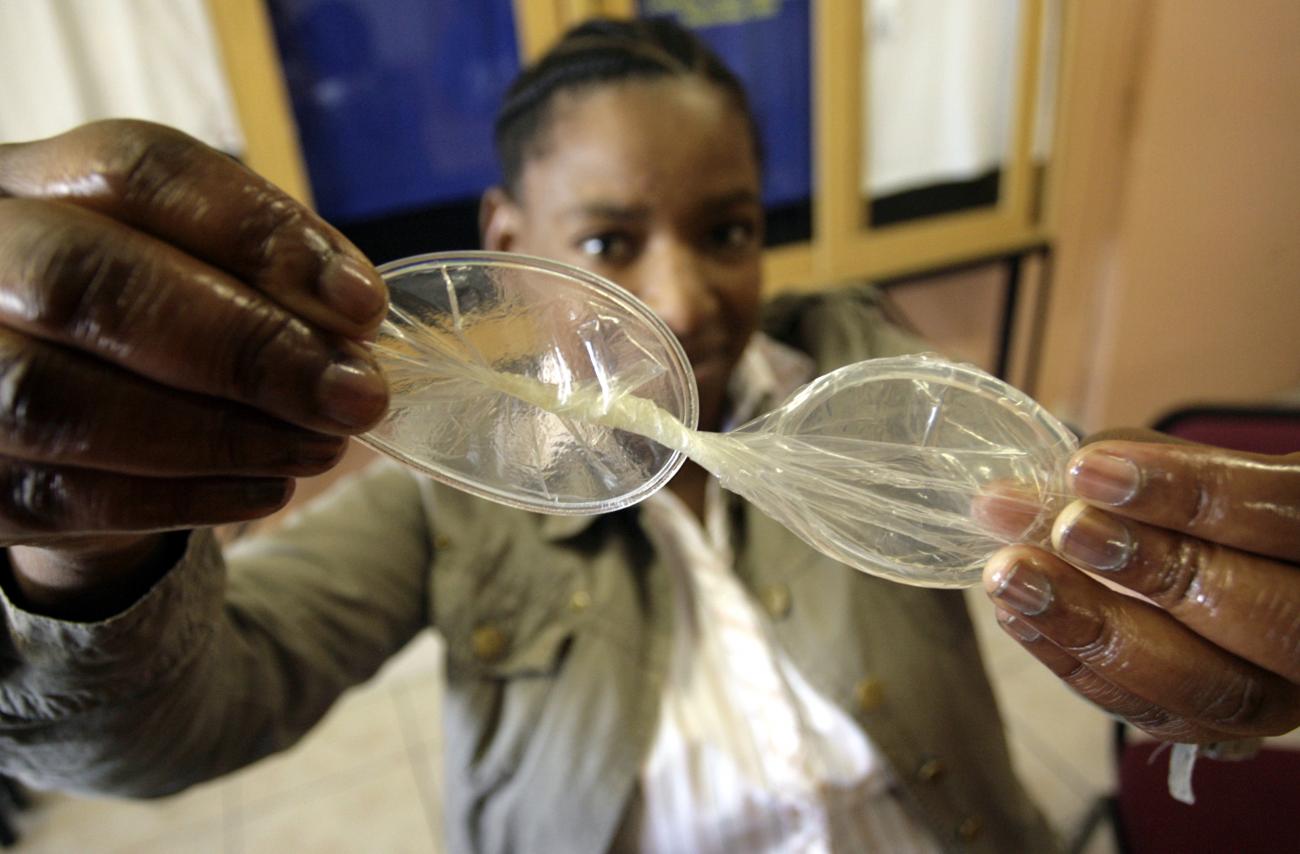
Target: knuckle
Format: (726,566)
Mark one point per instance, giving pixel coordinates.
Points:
(33,500)
(57,278)
(1208,502)
(268,224)
(1100,643)
(278,246)
(1158,722)
(80,299)
(19,382)
(1179,573)
(248,362)
(1101,691)
(144,162)
(40,257)
(155,169)
(30,403)
(1239,705)
(36,419)
(227,446)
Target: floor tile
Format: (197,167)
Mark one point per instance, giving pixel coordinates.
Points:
(1060,742)
(1058,797)
(362,727)
(377,808)
(426,769)
(421,659)
(191,821)
(419,707)
(1003,656)
(1068,732)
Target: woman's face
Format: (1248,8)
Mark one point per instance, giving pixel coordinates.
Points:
(655,185)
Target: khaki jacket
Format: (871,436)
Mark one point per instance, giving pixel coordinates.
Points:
(557,635)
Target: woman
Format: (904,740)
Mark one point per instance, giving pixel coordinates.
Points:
(611,684)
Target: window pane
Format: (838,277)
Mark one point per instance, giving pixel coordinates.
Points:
(766,42)
(395,100)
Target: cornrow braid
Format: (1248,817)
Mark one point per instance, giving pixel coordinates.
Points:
(602,51)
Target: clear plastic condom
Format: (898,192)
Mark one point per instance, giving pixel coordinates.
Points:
(880,465)
(472,336)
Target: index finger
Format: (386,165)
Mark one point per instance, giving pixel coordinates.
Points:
(175,188)
(1247,501)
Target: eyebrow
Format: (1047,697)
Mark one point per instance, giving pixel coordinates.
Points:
(607,210)
(636,213)
(736,197)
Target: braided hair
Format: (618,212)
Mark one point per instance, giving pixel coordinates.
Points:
(597,52)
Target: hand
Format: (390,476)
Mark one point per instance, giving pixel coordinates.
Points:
(178,340)
(1210,541)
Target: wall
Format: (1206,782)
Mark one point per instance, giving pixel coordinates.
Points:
(1176,200)
(1177,208)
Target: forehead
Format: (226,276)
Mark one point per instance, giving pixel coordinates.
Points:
(641,140)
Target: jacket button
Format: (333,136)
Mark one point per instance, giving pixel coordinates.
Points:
(776,600)
(488,643)
(442,541)
(870,694)
(930,770)
(580,601)
(970,828)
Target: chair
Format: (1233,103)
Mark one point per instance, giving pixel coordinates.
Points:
(1241,807)
(1270,429)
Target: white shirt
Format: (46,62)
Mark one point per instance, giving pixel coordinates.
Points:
(748,757)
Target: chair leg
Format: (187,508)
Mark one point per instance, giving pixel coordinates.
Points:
(1102,809)
(12,799)
(16,794)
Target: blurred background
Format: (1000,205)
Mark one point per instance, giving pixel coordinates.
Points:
(1099,201)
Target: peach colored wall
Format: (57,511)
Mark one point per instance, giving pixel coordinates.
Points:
(957,314)
(1185,282)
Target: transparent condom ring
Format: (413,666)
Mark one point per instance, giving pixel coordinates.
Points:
(545,387)
(462,325)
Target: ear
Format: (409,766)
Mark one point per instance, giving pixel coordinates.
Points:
(498,220)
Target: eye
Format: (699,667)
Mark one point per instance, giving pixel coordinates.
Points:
(734,236)
(610,247)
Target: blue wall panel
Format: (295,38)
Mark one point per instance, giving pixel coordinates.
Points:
(767,44)
(395,98)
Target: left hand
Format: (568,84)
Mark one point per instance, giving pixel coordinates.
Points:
(1211,539)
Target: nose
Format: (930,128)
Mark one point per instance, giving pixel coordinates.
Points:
(675,285)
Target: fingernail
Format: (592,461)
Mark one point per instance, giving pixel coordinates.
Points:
(1022,589)
(352,289)
(1092,538)
(1018,628)
(1105,478)
(352,393)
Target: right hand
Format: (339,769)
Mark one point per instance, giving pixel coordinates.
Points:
(179,339)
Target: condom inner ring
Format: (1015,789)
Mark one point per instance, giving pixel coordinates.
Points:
(451,313)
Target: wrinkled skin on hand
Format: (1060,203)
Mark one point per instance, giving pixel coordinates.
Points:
(178,340)
(1195,634)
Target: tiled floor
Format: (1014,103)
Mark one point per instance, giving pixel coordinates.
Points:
(365,780)
(368,778)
